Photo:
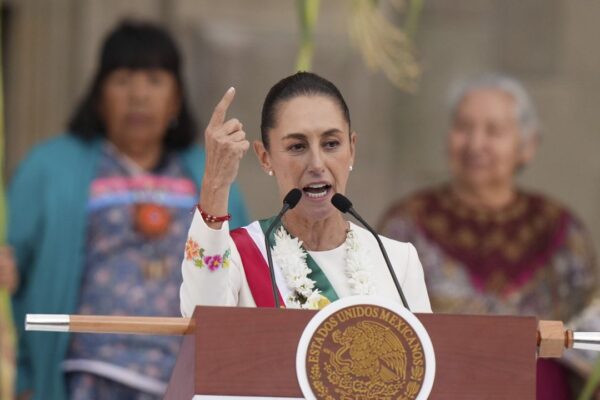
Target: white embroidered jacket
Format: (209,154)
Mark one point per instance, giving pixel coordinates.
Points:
(213,272)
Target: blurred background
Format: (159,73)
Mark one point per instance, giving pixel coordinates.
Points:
(50,48)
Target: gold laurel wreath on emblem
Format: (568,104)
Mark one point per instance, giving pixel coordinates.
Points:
(371,360)
(365,353)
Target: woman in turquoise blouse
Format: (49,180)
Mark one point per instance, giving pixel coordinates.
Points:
(98,219)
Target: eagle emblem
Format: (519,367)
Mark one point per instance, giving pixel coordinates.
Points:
(371,359)
(365,352)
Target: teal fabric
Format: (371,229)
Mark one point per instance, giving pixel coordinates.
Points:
(47,228)
(316,274)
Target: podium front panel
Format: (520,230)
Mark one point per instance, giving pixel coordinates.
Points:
(483,357)
(251,352)
(247,351)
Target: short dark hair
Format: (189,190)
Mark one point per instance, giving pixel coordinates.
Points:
(135,45)
(300,84)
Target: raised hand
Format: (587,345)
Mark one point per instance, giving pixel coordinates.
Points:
(225,143)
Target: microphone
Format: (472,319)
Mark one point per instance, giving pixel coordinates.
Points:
(342,203)
(289,201)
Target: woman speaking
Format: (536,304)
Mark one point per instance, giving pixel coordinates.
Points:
(318,256)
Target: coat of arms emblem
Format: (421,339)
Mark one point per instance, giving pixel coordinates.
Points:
(365,350)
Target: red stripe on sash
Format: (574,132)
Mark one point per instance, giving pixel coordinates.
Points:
(255,268)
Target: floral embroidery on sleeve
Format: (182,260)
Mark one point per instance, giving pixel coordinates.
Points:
(195,253)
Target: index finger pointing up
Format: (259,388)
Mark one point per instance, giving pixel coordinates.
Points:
(218,116)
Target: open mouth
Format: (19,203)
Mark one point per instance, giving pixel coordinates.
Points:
(317,190)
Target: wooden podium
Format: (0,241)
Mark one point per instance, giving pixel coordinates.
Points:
(231,351)
(252,352)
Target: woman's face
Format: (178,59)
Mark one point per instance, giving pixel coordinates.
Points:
(485,145)
(137,106)
(311,149)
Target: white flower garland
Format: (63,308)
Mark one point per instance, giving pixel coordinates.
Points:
(289,254)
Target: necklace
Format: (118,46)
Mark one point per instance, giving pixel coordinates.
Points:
(151,219)
(290,256)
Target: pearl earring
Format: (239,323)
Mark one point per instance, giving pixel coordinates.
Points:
(270,173)
(350,168)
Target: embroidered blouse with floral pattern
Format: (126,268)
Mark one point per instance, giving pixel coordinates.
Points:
(531,258)
(213,272)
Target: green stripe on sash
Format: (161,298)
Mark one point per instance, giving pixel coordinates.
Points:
(317,274)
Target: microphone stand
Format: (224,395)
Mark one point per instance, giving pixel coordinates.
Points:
(385,256)
(289,202)
(270,257)
(343,204)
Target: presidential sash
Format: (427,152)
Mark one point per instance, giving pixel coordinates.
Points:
(250,242)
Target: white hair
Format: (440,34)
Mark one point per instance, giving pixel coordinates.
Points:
(524,109)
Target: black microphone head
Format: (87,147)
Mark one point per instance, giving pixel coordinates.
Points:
(292,198)
(341,202)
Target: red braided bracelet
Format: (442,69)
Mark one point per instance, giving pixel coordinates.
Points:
(211,218)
